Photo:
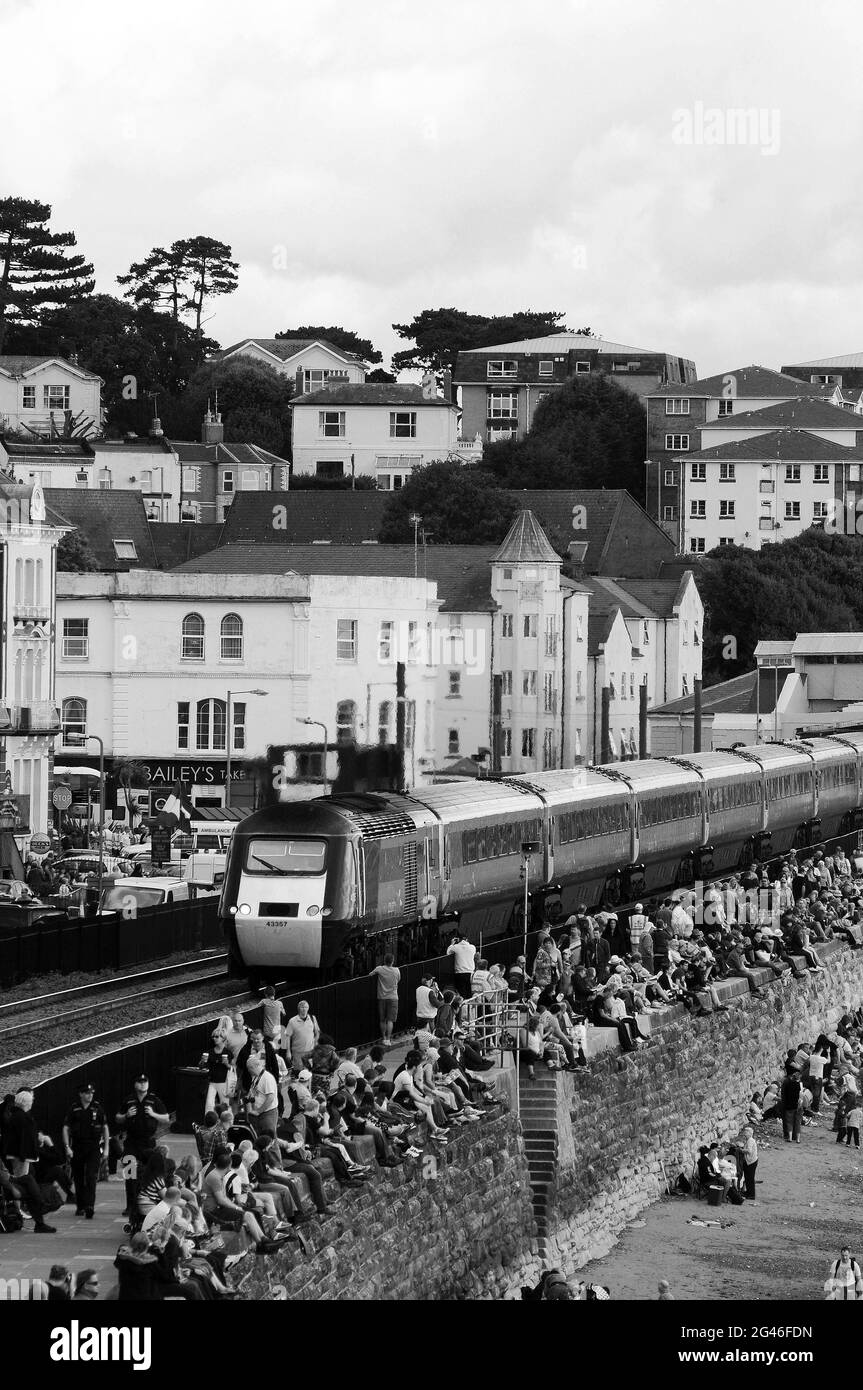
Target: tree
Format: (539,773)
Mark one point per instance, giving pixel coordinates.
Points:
(458,504)
(251,395)
(441,334)
(380,377)
(74,555)
(182,279)
(343,338)
(129,774)
(589,433)
(35,267)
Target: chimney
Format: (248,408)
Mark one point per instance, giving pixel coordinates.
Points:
(156,431)
(447,386)
(299,387)
(213,431)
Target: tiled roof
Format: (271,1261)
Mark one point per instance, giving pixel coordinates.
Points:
(829,364)
(285,348)
(778,444)
(599,626)
(526,542)
(227,454)
(370,393)
(18,366)
(343,517)
(103,517)
(175,542)
(565,342)
(47,450)
(735,696)
(636,598)
(462,572)
(748,381)
(808,413)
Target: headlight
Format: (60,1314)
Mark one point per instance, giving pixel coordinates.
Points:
(312,911)
(233,911)
(326,912)
(244,910)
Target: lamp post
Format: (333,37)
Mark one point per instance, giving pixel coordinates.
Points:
(528,847)
(319,725)
(228,732)
(80,739)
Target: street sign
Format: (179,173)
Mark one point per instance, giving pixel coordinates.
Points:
(62,798)
(160,845)
(39,844)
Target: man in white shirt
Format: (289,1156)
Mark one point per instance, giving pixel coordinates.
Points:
(465,958)
(681,922)
(300,1034)
(263,1099)
(428,1002)
(169,1208)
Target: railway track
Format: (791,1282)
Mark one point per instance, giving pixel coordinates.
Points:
(92,991)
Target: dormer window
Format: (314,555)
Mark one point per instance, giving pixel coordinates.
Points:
(501,367)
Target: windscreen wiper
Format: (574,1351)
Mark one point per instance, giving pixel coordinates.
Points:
(284,873)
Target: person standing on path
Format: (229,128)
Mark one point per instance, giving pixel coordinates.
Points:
(300,1037)
(388,976)
(844,1279)
(20,1149)
(272,1019)
(139,1117)
(750,1162)
(464,953)
(792,1107)
(85,1139)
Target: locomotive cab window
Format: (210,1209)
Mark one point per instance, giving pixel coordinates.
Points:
(277,856)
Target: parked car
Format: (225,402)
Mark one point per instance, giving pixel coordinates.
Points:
(127,893)
(78,863)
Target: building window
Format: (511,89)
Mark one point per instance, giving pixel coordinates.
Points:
(192,645)
(581,368)
(726,540)
(546,367)
(530,624)
(528,742)
(726,407)
(528,682)
(631,685)
(696,544)
(668,478)
(502,404)
(403,424)
(452,741)
(819,511)
(455,685)
(385,641)
(190,479)
(232,637)
(73,719)
(612,686)
(414,646)
(792,472)
(346,639)
(125,550)
(549,693)
(645,634)
(698,472)
(29,402)
(329,469)
(228,480)
(331,424)
(410,723)
(498,367)
(55,397)
(669,513)
(726,473)
(76,639)
(506,625)
(105,479)
(685,690)
(346,721)
(385,714)
(251,481)
(506,682)
(551,635)
(579,628)
(726,508)
(579,691)
(183,724)
(677,441)
(677,405)
(238,719)
(698,508)
(765,486)
(792,511)
(548,750)
(506,743)
(578,743)
(211,726)
(822,473)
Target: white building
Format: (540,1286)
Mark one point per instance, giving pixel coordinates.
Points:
(314,361)
(44,396)
(375,431)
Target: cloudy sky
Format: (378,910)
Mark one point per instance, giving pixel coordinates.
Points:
(367,160)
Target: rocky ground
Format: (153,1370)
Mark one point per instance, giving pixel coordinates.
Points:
(809,1203)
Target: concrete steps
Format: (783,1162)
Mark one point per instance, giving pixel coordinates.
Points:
(538,1112)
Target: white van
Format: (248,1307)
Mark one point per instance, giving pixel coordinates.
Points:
(129,895)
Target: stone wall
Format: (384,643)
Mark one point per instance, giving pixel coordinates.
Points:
(628,1123)
(457,1226)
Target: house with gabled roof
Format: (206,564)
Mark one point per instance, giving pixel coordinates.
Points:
(48,397)
(316,362)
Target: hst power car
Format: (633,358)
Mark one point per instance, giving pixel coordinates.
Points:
(306,879)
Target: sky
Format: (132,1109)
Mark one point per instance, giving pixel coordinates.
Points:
(366,161)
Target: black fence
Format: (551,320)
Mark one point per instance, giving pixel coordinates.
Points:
(107,943)
(347,1011)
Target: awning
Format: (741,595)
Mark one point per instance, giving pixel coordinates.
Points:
(76,771)
(211,815)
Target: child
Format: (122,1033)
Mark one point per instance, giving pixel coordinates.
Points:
(852,1123)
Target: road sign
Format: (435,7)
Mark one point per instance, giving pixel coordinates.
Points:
(62,798)
(39,844)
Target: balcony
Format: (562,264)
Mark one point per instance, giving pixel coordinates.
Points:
(469,448)
(39,717)
(31,612)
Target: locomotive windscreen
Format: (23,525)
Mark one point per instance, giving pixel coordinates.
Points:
(280,856)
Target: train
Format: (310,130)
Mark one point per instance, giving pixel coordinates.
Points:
(308,882)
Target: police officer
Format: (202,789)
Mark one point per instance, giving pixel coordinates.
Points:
(139,1117)
(85,1137)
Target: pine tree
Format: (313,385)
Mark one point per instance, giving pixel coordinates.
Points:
(183,278)
(35,269)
